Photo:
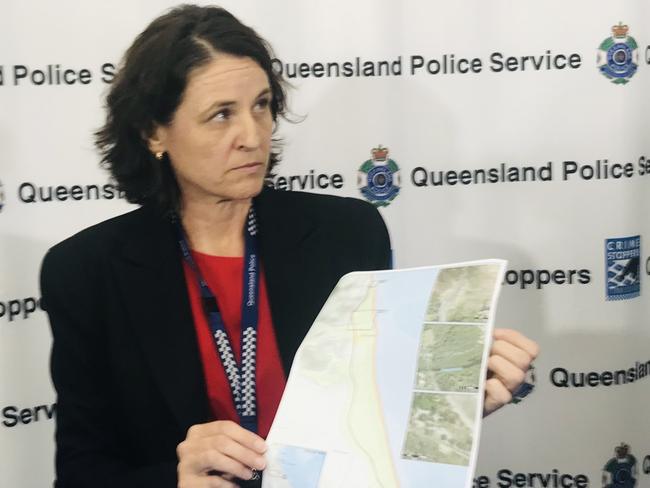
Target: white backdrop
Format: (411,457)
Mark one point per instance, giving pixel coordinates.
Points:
(552,230)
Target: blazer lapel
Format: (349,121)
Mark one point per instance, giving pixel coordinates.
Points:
(150,273)
(287,249)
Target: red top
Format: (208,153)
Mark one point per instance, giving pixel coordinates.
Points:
(224,277)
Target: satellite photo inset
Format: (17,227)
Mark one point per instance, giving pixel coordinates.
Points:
(440,428)
(449,358)
(462,294)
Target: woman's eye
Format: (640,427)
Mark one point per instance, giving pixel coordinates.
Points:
(223,114)
(263,104)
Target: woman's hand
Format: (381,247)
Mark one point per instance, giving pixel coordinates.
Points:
(510,357)
(221,446)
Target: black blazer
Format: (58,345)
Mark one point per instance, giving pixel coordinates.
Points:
(125,361)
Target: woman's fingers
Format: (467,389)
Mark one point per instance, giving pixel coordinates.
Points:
(510,358)
(506,372)
(222,446)
(237,451)
(519,340)
(207,459)
(496,395)
(513,354)
(230,429)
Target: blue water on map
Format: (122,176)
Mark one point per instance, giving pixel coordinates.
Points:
(400,330)
(301,467)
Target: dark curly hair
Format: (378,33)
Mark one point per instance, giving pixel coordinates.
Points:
(149,87)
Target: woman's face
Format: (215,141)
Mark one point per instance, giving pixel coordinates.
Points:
(219,140)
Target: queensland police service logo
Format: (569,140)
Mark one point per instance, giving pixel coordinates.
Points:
(623,264)
(379,178)
(620,471)
(618,57)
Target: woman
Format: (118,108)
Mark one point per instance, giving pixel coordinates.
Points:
(138,303)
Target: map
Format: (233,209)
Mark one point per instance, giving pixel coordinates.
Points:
(294,466)
(386,389)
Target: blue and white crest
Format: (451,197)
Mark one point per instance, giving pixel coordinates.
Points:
(618,57)
(379,178)
(620,471)
(623,265)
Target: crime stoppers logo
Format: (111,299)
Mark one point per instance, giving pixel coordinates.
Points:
(620,471)
(379,178)
(618,57)
(622,261)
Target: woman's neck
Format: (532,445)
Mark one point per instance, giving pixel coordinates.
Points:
(216,228)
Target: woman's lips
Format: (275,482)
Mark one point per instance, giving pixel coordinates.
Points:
(249,167)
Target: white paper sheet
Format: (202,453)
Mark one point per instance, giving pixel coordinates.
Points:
(386,389)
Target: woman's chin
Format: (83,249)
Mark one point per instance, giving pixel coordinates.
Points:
(244,191)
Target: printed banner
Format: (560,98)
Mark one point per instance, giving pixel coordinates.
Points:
(498,129)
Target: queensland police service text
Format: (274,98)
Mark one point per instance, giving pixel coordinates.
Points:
(445,64)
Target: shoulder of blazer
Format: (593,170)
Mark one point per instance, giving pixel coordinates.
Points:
(142,233)
(298,214)
(104,236)
(327,208)
(78,261)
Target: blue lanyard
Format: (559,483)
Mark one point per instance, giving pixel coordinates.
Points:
(241,377)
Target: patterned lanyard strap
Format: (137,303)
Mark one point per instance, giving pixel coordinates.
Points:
(240,376)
